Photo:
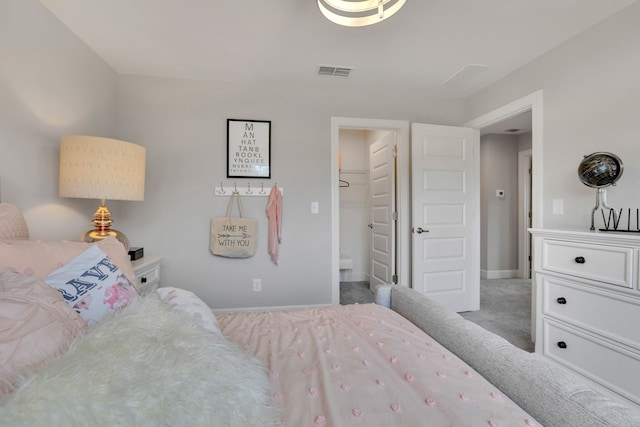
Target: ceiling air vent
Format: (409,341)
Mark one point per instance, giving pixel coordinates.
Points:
(328,70)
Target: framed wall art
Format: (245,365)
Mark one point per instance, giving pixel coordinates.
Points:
(248,148)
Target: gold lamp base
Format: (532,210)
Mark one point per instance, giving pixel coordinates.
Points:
(102,221)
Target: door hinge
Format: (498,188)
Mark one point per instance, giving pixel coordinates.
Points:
(394,215)
(394,279)
(395,151)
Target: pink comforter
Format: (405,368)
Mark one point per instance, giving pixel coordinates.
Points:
(365,365)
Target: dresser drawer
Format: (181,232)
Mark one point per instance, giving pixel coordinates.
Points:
(613,367)
(606,313)
(608,264)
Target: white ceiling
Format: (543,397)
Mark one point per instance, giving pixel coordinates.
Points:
(284,41)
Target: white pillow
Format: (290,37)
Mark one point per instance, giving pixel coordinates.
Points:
(93,285)
(188,302)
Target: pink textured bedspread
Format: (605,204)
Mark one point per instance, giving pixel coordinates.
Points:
(365,365)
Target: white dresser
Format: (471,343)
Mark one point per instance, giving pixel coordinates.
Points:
(587,305)
(147,271)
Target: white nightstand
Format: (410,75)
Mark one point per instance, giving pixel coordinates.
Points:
(147,271)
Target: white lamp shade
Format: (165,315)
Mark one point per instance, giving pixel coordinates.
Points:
(101,168)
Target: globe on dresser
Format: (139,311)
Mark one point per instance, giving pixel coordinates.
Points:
(600,170)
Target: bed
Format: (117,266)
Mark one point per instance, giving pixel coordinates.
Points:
(167,360)
(366,365)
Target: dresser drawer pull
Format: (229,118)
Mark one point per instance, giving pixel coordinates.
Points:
(562,344)
(143,279)
(580,260)
(562,300)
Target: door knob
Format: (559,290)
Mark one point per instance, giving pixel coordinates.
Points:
(419,230)
(370,225)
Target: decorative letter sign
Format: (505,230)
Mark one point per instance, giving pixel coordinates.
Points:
(248,148)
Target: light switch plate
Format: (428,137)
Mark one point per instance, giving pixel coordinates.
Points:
(558,208)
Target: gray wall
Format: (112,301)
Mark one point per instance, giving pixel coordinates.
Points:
(499,215)
(51,84)
(591,103)
(183,125)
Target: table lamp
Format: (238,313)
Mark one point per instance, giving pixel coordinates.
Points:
(101,168)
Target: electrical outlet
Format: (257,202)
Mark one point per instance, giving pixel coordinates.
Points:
(257,285)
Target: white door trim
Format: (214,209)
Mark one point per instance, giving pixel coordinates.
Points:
(524,200)
(404,196)
(533,103)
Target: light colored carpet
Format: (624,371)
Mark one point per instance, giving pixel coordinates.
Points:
(505,310)
(505,307)
(355,293)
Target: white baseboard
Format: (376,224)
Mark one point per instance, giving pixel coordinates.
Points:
(498,274)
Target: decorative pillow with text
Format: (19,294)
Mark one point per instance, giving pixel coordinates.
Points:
(93,285)
(40,257)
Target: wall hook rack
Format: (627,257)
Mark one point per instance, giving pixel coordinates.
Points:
(248,190)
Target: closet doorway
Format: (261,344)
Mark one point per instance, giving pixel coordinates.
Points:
(366,165)
(364,227)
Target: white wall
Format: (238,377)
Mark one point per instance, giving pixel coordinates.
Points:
(591,103)
(355,202)
(499,216)
(183,126)
(51,85)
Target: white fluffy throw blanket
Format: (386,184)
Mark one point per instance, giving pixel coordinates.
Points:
(146,366)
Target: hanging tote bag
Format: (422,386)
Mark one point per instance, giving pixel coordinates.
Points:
(234,237)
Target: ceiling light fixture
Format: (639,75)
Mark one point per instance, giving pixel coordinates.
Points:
(359,13)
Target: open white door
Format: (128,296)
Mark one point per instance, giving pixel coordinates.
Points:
(446,214)
(382,171)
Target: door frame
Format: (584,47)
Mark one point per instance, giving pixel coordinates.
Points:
(401,127)
(524,207)
(533,103)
